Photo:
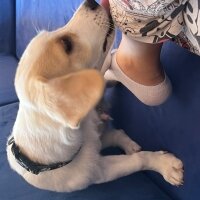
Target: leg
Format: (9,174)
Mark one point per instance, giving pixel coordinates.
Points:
(191,16)
(113,167)
(140,61)
(120,139)
(137,66)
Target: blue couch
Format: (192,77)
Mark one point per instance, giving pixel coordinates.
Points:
(173,126)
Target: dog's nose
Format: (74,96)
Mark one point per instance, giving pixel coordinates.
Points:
(92,4)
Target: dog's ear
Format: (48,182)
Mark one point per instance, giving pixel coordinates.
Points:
(69,98)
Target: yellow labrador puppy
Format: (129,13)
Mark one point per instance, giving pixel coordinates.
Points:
(55,142)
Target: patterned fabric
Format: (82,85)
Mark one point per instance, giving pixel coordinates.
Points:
(155,21)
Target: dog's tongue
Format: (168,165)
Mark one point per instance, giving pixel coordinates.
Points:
(106,5)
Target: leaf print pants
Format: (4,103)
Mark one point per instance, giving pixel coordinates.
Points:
(156,21)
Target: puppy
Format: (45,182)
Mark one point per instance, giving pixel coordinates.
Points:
(55,142)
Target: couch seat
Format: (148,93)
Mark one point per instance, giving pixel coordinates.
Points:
(8,65)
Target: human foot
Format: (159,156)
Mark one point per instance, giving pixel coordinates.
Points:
(149,95)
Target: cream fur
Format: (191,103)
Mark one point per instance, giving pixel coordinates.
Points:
(58,92)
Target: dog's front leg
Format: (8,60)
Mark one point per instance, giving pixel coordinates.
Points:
(113,167)
(118,138)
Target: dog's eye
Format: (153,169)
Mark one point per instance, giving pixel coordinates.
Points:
(68,44)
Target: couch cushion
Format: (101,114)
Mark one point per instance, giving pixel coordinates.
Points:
(173,126)
(8,66)
(35,15)
(13,187)
(7,26)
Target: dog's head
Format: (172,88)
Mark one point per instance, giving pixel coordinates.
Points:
(57,73)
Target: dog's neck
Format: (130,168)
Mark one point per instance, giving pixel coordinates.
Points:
(44,140)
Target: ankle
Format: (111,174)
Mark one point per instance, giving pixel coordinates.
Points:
(141,88)
(145,73)
(140,62)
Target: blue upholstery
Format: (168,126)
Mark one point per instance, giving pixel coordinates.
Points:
(173,126)
(7,26)
(33,16)
(8,64)
(13,187)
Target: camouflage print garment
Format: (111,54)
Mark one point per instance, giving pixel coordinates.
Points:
(155,21)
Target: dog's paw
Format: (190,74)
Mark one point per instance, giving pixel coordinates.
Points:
(126,143)
(171,168)
(131,147)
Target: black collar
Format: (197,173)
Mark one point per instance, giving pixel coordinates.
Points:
(34,168)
